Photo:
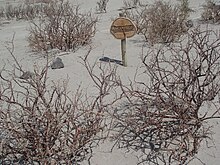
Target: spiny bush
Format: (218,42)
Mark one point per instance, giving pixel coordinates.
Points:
(38,1)
(211,12)
(160,22)
(62,26)
(42,122)
(102,6)
(26,11)
(131,3)
(166,119)
(168,109)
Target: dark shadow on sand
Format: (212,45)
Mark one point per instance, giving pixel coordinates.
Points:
(111,60)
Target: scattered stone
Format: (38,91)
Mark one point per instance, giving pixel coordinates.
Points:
(5,22)
(57,64)
(107,59)
(27,75)
(189,23)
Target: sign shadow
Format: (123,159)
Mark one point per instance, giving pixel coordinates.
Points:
(110,60)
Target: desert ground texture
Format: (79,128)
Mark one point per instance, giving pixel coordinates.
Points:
(103,45)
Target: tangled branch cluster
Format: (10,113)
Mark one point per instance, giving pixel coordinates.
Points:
(164,118)
(43,123)
(160,22)
(63,27)
(211,12)
(26,11)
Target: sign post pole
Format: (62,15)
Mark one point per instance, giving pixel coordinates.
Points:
(123,52)
(123,28)
(123,48)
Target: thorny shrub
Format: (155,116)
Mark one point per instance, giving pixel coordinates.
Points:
(38,1)
(42,122)
(102,6)
(160,22)
(128,4)
(211,12)
(25,11)
(165,117)
(62,26)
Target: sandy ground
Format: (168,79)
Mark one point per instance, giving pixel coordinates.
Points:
(104,44)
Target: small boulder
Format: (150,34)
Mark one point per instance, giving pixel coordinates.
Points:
(57,64)
(27,75)
(189,24)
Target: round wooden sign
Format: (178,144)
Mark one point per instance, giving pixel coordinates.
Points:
(123,28)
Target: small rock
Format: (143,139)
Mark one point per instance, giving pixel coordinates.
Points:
(27,75)
(189,24)
(57,63)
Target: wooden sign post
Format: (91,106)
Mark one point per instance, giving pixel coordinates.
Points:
(123,52)
(123,28)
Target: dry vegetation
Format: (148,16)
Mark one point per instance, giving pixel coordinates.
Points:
(62,26)
(39,1)
(59,25)
(42,122)
(102,6)
(166,25)
(25,11)
(211,12)
(163,117)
